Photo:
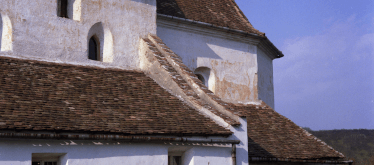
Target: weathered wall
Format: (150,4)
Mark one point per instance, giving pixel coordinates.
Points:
(233,62)
(265,78)
(19,152)
(291,163)
(240,133)
(38,32)
(202,155)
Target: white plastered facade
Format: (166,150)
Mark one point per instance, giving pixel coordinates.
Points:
(34,30)
(240,71)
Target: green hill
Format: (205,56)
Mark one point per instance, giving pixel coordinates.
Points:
(357,145)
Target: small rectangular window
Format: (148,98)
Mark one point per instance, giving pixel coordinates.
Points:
(62,10)
(45,163)
(46,158)
(174,160)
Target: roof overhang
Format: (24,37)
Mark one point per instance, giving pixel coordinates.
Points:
(221,32)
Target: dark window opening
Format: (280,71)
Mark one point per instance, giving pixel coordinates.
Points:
(201,78)
(63,8)
(45,163)
(174,160)
(93,49)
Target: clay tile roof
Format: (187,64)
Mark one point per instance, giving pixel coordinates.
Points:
(223,13)
(272,135)
(47,96)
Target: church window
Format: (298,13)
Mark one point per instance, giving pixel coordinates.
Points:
(6,33)
(201,78)
(174,160)
(203,74)
(1,29)
(93,49)
(62,8)
(46,158)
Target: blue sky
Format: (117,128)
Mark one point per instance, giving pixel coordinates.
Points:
(326,79)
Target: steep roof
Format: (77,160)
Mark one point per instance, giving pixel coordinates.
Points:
(223,13)
(272,135)
(55,97)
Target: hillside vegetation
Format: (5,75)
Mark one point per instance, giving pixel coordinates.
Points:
(357,145)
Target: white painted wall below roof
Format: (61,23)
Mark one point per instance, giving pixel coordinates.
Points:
(234,61)
(38,33)
(265,78)
(19,152)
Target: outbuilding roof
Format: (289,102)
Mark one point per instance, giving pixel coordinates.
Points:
(59,97)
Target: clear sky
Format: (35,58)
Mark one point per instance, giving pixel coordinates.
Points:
(326,79)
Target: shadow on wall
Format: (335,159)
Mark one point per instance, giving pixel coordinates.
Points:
(148,2)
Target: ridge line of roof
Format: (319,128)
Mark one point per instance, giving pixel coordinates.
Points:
(192,80)
(191,98)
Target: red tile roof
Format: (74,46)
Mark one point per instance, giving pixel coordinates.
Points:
(47,96)
(272,135)
(223,13)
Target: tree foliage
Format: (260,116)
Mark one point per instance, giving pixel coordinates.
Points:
(357,145)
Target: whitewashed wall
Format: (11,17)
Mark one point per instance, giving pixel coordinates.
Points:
(234,60)
(265,78)
(38,33)
(19,152)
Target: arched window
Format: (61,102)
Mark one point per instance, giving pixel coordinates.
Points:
(203,74)
(6,33)
(201,78)
(93,51)
(62,8)
(100,37)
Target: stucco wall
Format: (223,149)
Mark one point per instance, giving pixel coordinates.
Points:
(19,152)
(38,32)
(232,62)
(291,163)
(265,78)
(240,133)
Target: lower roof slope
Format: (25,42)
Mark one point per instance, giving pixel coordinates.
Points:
(223,13)
(54,97)
(272,135)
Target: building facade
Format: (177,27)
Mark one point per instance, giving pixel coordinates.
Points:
(170,82)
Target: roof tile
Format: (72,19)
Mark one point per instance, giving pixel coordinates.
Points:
(223,13)
(48,96)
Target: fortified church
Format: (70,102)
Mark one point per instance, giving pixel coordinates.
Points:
(142,82)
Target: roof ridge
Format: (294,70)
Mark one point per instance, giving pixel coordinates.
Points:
(244,18)
(184,90)
(198,87)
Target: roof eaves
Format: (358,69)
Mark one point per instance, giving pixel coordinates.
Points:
(265,43)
